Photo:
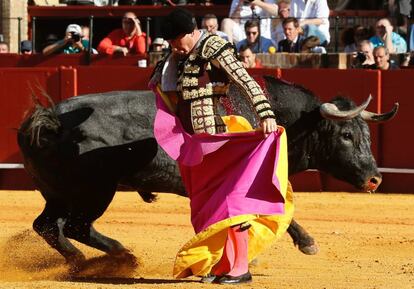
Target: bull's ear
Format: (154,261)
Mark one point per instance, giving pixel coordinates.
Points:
(331,111)
(380,117)
(75,117)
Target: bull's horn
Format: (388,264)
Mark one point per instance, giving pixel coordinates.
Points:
(380,117)
(331,111)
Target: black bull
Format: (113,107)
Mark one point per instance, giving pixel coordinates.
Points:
(79,151)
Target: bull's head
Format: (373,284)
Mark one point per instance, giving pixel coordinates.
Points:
(349,157)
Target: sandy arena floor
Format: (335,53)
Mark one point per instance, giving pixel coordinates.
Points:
(366,241)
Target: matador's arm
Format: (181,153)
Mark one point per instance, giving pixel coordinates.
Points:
(220,53)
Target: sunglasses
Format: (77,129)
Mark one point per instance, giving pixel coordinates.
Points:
(251,32)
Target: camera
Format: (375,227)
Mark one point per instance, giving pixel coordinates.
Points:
(247,2)
(361,57)
(75,36)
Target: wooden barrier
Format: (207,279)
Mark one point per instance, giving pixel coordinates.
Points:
(108,78)
(15,100)
(391,143)
(396,137)
(56,60)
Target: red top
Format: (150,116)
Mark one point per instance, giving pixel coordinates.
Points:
(135,44)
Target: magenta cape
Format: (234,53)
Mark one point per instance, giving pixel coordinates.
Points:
(226,174)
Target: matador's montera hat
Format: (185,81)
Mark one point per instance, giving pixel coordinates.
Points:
(179,21)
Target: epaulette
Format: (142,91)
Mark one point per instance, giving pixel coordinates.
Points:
(212,46)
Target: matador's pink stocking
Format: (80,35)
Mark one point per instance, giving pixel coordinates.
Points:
(234,261)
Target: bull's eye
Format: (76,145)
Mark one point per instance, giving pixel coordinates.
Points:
(347,136)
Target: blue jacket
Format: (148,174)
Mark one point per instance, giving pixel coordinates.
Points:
(265,44)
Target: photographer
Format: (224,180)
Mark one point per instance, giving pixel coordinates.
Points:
(364,57)
(72,42)
(128,40)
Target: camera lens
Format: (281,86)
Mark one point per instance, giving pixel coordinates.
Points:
(75,36)
(361,56)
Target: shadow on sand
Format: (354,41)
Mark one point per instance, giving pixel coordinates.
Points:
(127,281)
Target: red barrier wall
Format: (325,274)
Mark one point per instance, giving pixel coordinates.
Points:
(108,78)
(397,136)
(391,144)
(56,60)
(15,100)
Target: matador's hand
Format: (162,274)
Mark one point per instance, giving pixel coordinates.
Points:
(268,125)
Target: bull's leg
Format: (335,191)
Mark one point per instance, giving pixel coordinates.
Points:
(85,233)
(302,239)
(49,225)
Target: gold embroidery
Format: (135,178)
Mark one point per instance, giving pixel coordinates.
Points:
(212,46)
(202,115)
(248,85)
(197,93)
(190,81)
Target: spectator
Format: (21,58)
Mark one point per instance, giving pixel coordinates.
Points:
(283,13)
(408,59)
(364,57)
(4,47)
(243,10)
(313,17)
(127,40)
(26,47)
(85,32)
(72,42)
(401,10)
(248,58)
(159,45)
(352,36)
(256,42)
(293,41)
(50,39)
(210,23)
(311,44)
(387,38)
(86,35)
(382,59)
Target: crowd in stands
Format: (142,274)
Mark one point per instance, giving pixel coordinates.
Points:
(253,26)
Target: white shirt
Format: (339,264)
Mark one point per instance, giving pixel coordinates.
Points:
(302,9)
(246,14)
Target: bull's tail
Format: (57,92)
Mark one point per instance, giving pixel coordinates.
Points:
(39,122)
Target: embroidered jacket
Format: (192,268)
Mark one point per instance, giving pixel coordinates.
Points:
(204,77)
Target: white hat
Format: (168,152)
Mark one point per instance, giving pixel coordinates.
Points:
(158,41)
(75,28)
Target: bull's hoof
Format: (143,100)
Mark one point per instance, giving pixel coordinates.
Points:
(309,249)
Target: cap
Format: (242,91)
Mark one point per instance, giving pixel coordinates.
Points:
(158,41)
(179,21)
(75,28)
(26,45)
